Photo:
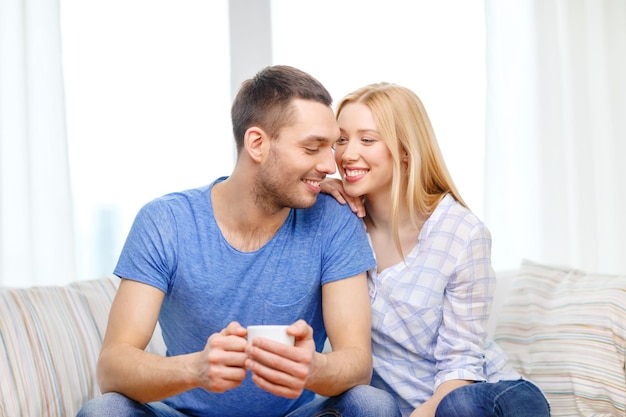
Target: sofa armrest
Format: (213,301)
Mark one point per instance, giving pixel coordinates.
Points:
(50,339)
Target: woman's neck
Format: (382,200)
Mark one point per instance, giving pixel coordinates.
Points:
(382,235)
(379,215)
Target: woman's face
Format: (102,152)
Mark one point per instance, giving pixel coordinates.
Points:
(363,159)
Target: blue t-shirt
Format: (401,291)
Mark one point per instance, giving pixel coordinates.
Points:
(175,245)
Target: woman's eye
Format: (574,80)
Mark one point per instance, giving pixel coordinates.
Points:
(341,141)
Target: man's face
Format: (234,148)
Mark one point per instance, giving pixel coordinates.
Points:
(299,158)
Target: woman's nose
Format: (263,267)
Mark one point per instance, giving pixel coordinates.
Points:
(350,152)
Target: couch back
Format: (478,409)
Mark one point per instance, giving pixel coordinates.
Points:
(562,328)
(565,330)
(50,338)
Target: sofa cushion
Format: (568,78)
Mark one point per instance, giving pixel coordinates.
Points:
(50,338)
(565,330)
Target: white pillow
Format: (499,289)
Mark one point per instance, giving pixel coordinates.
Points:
(565,330)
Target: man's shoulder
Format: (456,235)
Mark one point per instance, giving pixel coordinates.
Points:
(184,197)
(326,214)
(329,204)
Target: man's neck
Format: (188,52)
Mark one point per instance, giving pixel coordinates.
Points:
(243,224)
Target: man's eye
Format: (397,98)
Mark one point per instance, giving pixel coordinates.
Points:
(312,150)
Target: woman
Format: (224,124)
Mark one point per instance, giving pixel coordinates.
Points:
(432,290)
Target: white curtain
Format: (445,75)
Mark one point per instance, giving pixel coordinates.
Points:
(556,132)
(36,227)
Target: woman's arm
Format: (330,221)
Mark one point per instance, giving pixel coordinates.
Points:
(334,187)
(429,407)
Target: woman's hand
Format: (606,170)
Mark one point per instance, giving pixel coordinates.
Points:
(429,407)
(423,411)
(334,187)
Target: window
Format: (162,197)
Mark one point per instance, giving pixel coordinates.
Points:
(435,48)
(148,110)
(148,92)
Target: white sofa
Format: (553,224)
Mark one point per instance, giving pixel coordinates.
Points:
(50,338)
(565,330)
(562,328)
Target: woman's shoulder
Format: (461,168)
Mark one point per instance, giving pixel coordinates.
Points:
(450,211)
(450,206)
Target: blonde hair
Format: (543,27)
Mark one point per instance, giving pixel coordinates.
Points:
(419,171)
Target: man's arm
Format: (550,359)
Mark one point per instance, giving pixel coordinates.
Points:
(125,367)
(347,317)
(286,370)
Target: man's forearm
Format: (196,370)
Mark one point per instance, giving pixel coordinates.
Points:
(338,371)
(144,376)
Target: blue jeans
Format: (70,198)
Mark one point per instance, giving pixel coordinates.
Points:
(518,398)
(360,401)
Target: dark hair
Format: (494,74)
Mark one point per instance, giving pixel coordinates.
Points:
(265,100)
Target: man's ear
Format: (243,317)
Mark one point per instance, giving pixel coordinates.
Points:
(256,143)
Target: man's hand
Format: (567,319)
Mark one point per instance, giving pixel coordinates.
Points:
(334,187)
(222,363)
(279,368)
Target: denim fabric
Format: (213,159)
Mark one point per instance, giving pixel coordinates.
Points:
(113,404)
(518,398)
(360,401)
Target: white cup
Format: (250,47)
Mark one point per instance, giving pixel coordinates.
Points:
(273,332)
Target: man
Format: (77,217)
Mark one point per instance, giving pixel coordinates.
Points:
(258,247)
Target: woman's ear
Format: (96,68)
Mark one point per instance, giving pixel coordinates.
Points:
(405,156)
(255,142)
(404,161)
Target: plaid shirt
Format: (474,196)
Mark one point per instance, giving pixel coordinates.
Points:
(430,312)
